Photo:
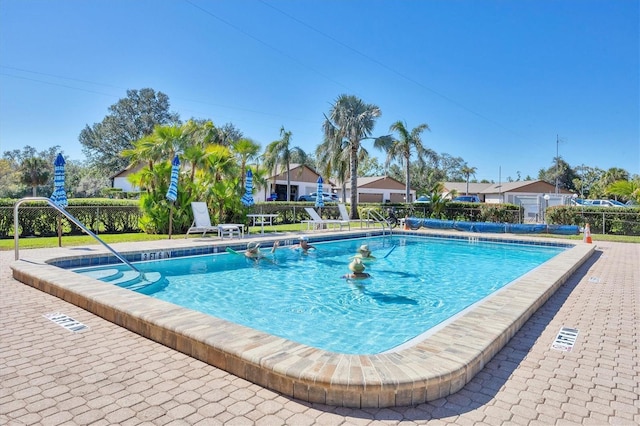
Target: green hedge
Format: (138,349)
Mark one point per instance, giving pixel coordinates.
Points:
(470,212)
(601,220)
(100,215)
(113,216)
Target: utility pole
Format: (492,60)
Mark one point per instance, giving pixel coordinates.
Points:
(557,162)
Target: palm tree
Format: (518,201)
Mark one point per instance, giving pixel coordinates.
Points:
(260,178)
(159,146)
(612,175)
(467,171)
(401,149)
(627,189)
(349,122)
(333,161)
(220,177)
(278,153)
(245,149)
(35,172)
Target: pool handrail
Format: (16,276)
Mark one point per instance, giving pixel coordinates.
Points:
(16,234)
(375,216)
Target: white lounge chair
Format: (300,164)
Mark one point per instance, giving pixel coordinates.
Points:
(202,223)
(319,222)
(344,214)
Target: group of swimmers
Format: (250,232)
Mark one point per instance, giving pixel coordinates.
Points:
(253,248)
(356,266)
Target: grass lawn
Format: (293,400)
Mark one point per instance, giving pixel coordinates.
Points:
(78,240)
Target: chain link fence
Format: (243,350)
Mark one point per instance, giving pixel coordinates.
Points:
(616,223)
(43,221)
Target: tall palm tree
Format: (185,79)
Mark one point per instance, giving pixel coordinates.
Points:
(349,122)
(278,153)
(467,171)
(402,148)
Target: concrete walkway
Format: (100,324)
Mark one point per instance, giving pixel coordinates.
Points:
(107,375)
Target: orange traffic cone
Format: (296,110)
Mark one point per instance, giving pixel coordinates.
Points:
(406,223)
(587,234)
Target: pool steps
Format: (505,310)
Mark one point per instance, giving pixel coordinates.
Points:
(130,280)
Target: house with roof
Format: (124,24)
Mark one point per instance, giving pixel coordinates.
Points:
(512,192)
(533,195)
(381,189)
(374,189)
(504,192)
(120,180)
(453,189)
(303,180)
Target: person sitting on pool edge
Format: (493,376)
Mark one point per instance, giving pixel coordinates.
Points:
(253,250)
(364,253)
(303,245)
(357,271)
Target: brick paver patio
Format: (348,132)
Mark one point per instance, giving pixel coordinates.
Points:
(107,375)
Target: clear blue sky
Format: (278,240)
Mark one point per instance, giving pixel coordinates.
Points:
(496,81)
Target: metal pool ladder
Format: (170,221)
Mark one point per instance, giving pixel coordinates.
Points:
(373,215)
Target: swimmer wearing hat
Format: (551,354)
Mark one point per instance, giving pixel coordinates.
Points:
(303,245)
(357,271)
(253,250)
(364,253)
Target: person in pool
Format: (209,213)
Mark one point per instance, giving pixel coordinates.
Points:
(357,271)
(364,253)
(253,250)
(303,245)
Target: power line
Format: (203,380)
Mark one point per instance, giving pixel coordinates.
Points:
(264,43)
(390,69)
(271,114)
(54,84)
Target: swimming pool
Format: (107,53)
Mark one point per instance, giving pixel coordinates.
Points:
(416,283)
(434,367)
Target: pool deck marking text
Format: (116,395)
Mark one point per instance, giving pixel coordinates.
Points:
(66,322)
(565,340)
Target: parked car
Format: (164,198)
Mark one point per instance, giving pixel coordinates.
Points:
(467,199)
(423,199)
(325,196)
(603,203)
(577,202)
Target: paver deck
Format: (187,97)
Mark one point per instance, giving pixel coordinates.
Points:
(109,375)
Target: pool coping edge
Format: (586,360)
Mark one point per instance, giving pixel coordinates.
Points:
(434,368)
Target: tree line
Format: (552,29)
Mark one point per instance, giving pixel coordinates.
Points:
(141,128)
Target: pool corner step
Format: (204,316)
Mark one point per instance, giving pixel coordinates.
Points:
(127,278)
(141,281)
(107,275)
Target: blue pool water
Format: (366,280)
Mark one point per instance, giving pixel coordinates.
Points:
(420,284)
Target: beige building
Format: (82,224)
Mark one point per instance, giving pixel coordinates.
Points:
(121,179)
(381,189)
(534,196)
(303,180)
